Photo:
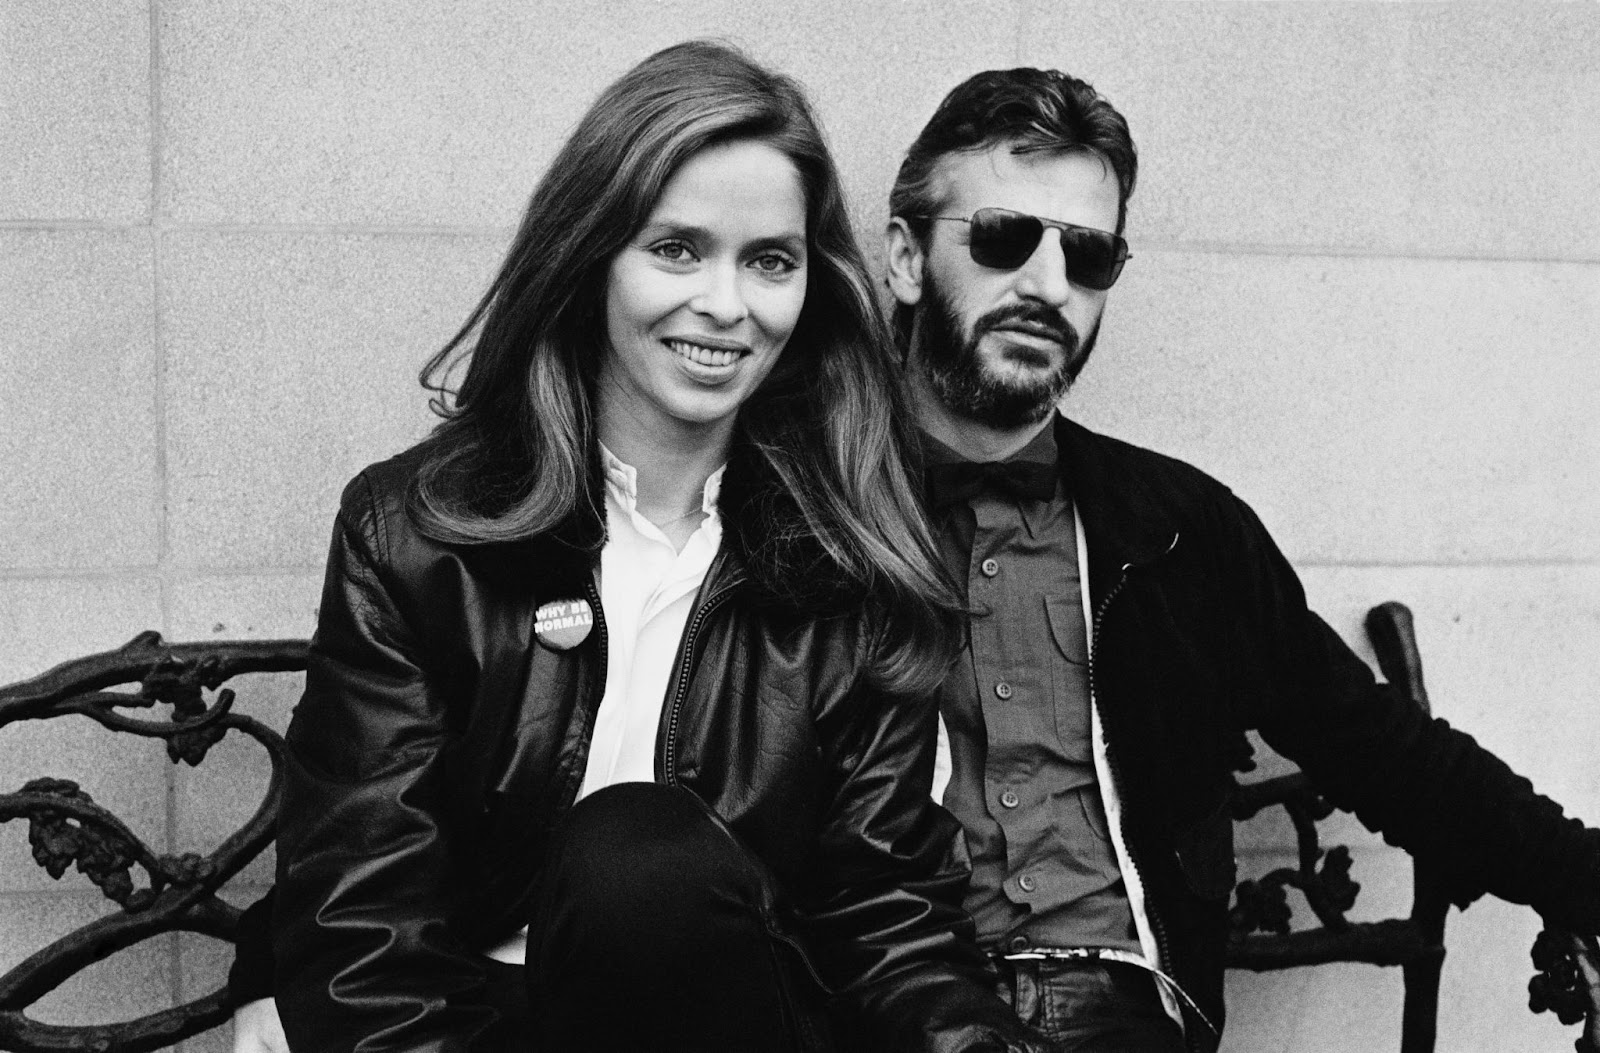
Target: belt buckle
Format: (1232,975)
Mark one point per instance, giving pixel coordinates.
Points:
(1041,954)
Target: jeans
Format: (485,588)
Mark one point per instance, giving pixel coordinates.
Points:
(1086,1006)
(653,929)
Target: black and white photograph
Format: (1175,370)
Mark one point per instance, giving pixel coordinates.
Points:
(689,526)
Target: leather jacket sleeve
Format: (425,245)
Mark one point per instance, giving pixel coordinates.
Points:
(365,959)
(889,934)
(1424,785)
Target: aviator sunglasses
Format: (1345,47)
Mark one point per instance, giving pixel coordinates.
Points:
(1005,240)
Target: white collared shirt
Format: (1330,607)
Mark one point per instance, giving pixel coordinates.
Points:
(647,591)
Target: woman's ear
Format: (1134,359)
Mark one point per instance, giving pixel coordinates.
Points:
(904,260)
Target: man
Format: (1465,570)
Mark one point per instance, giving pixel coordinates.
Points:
(1132,618)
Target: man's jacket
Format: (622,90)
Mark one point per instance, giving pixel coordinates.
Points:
(1200,632)
(438,742)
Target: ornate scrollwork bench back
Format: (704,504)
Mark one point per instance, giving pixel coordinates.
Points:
(174,893)
(179,893)
(1260,937)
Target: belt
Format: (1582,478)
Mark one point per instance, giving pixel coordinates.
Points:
(1110,954)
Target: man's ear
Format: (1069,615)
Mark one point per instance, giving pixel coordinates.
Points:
(904,259)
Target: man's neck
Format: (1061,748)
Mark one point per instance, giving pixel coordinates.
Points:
(973,440)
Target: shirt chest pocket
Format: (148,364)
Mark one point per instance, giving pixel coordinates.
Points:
(1068,660)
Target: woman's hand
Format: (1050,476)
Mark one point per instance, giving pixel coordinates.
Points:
(257,1029)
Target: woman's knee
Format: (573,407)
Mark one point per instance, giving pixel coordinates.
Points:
(645,858)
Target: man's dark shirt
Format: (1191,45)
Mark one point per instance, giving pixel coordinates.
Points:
(1016,707)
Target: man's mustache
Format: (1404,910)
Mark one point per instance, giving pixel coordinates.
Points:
(1037,317)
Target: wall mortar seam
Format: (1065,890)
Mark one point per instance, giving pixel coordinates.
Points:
(163,529)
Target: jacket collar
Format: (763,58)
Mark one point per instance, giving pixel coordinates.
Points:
(1127,521)
(765,540)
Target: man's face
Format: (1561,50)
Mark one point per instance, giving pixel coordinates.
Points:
(1000,347)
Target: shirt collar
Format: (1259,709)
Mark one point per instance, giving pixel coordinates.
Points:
(622,482)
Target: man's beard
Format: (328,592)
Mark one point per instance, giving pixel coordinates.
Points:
(969,387)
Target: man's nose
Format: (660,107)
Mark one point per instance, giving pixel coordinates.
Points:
(721,298)
(1044,276)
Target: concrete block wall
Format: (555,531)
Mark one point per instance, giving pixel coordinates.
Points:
(1365,292)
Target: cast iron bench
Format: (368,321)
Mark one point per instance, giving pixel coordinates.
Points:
(179,893)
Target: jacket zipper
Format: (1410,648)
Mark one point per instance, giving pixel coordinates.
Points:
(669,762)
(1157,926)
(575,783)
(680,687)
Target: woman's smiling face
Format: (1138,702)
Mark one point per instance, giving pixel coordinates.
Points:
(702,300)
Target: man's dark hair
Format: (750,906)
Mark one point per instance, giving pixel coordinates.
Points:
(1030,109)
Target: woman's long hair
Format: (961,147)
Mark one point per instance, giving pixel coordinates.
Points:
(513,456)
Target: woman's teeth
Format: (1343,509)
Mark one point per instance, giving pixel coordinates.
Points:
(704,356)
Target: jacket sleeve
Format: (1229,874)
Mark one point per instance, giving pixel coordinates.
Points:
(365,957)
(1424,785)
(888,930)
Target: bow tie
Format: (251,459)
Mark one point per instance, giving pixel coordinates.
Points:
(964,480)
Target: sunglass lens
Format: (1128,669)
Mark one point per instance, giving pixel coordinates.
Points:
(1003,239)
(1094,257)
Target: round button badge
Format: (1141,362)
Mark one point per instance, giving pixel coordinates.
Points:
(563,624)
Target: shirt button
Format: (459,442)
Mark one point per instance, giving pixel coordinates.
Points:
(990,567)
(1010,799)
(1026,883)
(1018,943)
(1002,690)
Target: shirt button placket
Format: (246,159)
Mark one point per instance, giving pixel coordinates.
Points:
(989,567)
(1010,799)
(1002,691)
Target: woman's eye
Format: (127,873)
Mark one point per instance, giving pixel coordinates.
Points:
(673,251)
(775,263)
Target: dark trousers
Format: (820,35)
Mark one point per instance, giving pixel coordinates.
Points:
(654,929)
(1090,1006)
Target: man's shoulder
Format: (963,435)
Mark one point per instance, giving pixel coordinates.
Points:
(1138,501)
(1122,464)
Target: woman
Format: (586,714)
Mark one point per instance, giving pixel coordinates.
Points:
(659,559)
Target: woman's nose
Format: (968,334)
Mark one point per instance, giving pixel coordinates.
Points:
(721,299)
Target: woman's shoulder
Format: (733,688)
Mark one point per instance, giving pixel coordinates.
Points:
(374,501)
(390,479)
(381,505)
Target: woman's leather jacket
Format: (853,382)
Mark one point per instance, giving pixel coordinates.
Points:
(438,742)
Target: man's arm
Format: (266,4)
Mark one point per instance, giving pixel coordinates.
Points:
(1424,785)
